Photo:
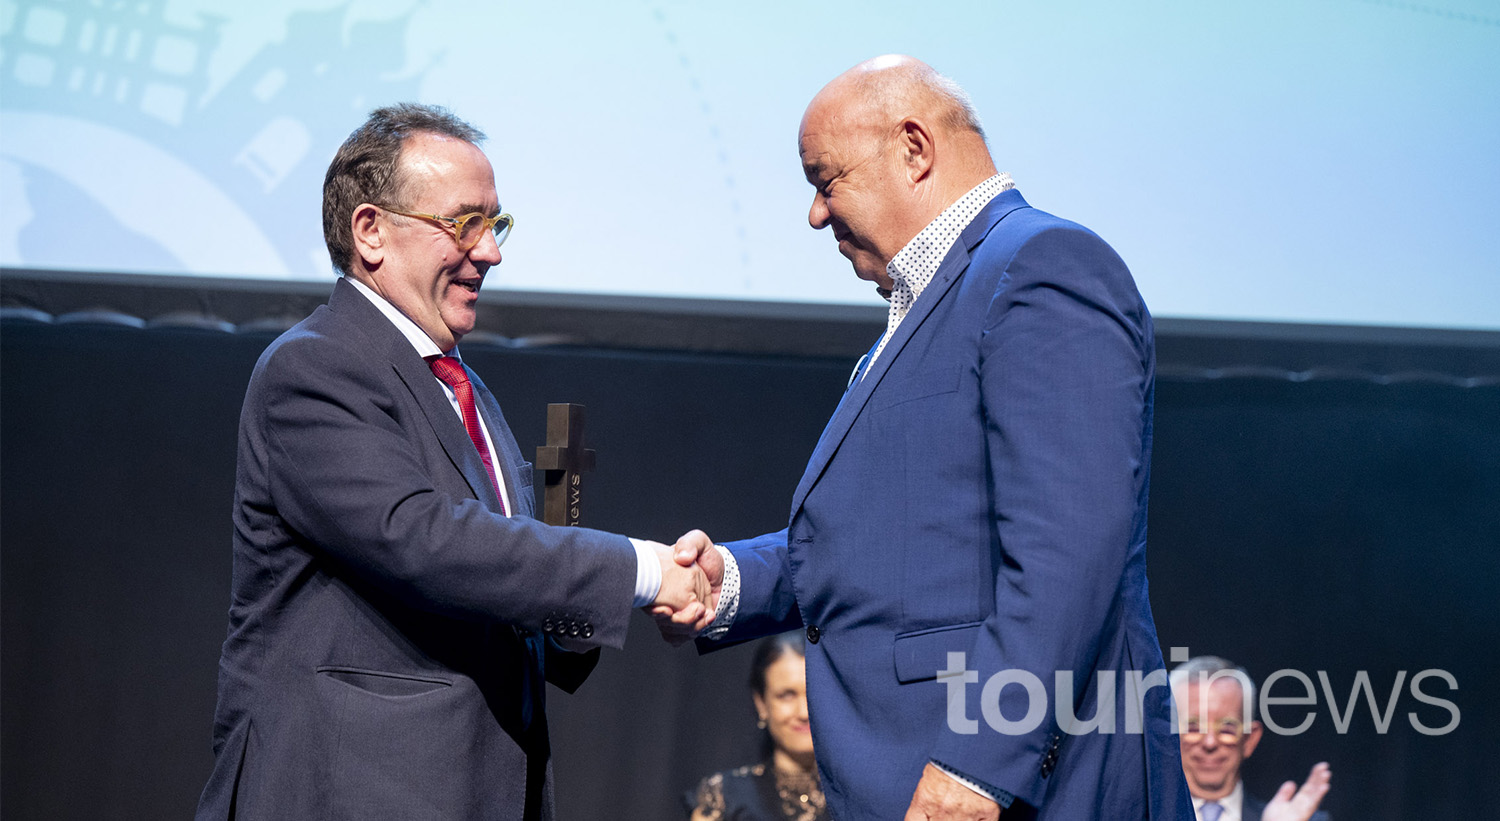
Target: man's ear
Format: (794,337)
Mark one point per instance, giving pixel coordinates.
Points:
(1252,738)
(917,149)
(369,235)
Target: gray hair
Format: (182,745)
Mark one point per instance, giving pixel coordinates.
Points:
(897,91)
(367,167)
(1205,670)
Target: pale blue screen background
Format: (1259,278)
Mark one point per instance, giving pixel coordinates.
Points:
(1322,160)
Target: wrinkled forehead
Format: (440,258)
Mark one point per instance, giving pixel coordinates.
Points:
(811,133)
(816,155)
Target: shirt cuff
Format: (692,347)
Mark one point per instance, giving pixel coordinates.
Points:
(647,573)
(1000,797)
(729,597)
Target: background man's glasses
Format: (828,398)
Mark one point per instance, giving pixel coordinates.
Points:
(1226,732)
(467,228)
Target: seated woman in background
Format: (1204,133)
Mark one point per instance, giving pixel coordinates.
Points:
(785,783)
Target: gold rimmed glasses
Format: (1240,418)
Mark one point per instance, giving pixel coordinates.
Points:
(1227,731)
(466,228)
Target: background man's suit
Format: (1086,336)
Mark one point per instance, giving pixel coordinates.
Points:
(383,658)
(982,489)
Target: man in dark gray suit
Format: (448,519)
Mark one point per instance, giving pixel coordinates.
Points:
(1215,702)
(395,608)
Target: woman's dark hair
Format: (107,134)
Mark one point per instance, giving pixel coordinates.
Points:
(769,652)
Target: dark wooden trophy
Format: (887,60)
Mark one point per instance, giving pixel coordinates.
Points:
(564,460)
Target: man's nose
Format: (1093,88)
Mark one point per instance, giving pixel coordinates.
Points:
(486,251)
(817,216)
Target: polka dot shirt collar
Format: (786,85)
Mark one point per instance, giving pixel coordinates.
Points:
(915,265)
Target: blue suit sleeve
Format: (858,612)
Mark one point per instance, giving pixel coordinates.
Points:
(768,604)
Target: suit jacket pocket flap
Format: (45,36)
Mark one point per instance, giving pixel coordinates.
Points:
(383,683)
(920,655)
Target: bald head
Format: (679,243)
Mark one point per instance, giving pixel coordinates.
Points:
(889,144)
(884,90)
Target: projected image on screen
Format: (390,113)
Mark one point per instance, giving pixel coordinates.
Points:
(1327,161)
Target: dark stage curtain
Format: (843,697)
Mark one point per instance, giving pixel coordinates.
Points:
(1341,521)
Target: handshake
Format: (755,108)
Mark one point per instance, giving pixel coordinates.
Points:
(692,572)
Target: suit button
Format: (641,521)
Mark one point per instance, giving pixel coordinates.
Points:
(587,631)
(547,626)
(813,633)
(574,629)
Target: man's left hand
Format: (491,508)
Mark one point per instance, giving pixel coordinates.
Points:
(940,797)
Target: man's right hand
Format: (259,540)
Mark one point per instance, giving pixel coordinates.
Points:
(685,597)
(1292,804)
(694,551)
(696,548)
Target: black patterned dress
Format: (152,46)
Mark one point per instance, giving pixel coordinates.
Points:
(758,793)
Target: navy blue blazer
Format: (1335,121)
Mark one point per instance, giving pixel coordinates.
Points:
(384,658)
(982,491)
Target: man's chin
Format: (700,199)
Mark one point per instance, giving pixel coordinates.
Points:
(460,319)
(1215,782)
(456,333)
(876,275)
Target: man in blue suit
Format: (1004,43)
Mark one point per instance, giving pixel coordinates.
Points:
(395,608)
(966,549)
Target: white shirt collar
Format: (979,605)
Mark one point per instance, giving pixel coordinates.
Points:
(415,335)
(1233,804)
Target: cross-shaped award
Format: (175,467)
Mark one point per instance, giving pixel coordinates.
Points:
(565,460)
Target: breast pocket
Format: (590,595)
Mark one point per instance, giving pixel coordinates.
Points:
(895,392)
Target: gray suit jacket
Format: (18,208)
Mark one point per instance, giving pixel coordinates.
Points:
(384,657)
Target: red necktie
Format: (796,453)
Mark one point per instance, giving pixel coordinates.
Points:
(451,371)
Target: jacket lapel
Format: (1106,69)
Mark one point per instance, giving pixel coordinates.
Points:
(446,424)
(508,453)
(858,395)
(386,342)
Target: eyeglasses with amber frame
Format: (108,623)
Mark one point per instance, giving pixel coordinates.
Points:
(466,228)
(1227,731)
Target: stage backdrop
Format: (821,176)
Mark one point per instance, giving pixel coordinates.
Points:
(1283,160)
(1335,521)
